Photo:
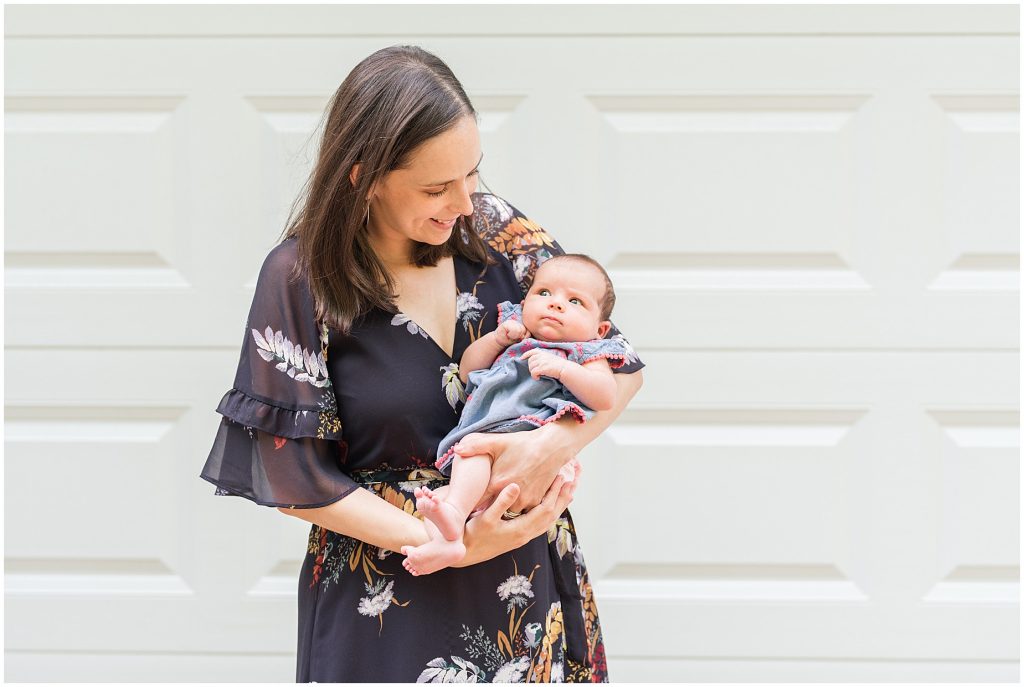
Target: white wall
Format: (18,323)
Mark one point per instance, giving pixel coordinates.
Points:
(811,215)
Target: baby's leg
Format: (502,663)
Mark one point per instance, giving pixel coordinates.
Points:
(468,483)
(435,554)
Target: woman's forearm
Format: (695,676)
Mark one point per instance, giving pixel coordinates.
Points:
(368,518)
(531,459)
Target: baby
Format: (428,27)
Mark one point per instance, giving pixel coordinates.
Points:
(547,357)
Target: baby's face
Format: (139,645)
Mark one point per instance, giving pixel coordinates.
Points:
(562,304)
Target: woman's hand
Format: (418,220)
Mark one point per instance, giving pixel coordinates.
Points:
(530,459)
(488,535)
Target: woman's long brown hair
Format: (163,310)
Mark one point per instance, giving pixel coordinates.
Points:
(389,104)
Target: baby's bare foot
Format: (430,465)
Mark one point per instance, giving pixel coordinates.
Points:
(447,517)
(406,564)
(432,556)
(571,471)
(426,500)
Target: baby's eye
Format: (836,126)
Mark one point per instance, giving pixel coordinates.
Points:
(541,292)
(578,301)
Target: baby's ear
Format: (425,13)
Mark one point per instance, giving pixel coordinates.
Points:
(603,328)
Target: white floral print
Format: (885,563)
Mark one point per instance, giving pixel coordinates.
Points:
(525,267)
(459,670)
(402,318)
(561,535)
(517,585)
(517,590)
(513,671)
(557,672)
(521,267)
(378,599)
(294,360)
(452,385)
(533,633)
(502,212)
(469,309)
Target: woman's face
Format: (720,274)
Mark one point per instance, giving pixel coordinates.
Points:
(422,201)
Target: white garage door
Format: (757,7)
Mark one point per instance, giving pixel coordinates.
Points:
(811,216)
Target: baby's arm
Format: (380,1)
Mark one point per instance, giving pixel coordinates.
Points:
(482,352)
(593,382)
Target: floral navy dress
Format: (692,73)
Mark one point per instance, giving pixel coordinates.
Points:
(314,415)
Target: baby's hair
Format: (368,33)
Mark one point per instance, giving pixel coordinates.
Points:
(607,301)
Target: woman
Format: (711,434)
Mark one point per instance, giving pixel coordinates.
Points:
(348,379)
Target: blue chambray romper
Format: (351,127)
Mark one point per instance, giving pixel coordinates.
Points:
(505,398)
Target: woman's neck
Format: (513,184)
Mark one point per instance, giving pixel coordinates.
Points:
(396,253)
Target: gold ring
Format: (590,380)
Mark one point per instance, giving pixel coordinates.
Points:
(510,515)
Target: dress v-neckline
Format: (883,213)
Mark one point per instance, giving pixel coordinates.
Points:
(455,328)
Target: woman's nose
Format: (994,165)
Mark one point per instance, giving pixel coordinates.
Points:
(462,198)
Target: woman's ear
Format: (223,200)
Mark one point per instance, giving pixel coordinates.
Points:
(353,177)
(603,328)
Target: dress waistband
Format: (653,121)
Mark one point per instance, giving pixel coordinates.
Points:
(414,475)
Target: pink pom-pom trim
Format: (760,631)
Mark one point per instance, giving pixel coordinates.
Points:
(619,358)
(577,412)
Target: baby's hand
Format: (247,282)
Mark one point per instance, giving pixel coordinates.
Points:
(509,332)
(545,363)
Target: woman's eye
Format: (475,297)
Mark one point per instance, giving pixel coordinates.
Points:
(445,189)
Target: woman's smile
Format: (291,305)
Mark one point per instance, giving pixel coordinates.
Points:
(445,224)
